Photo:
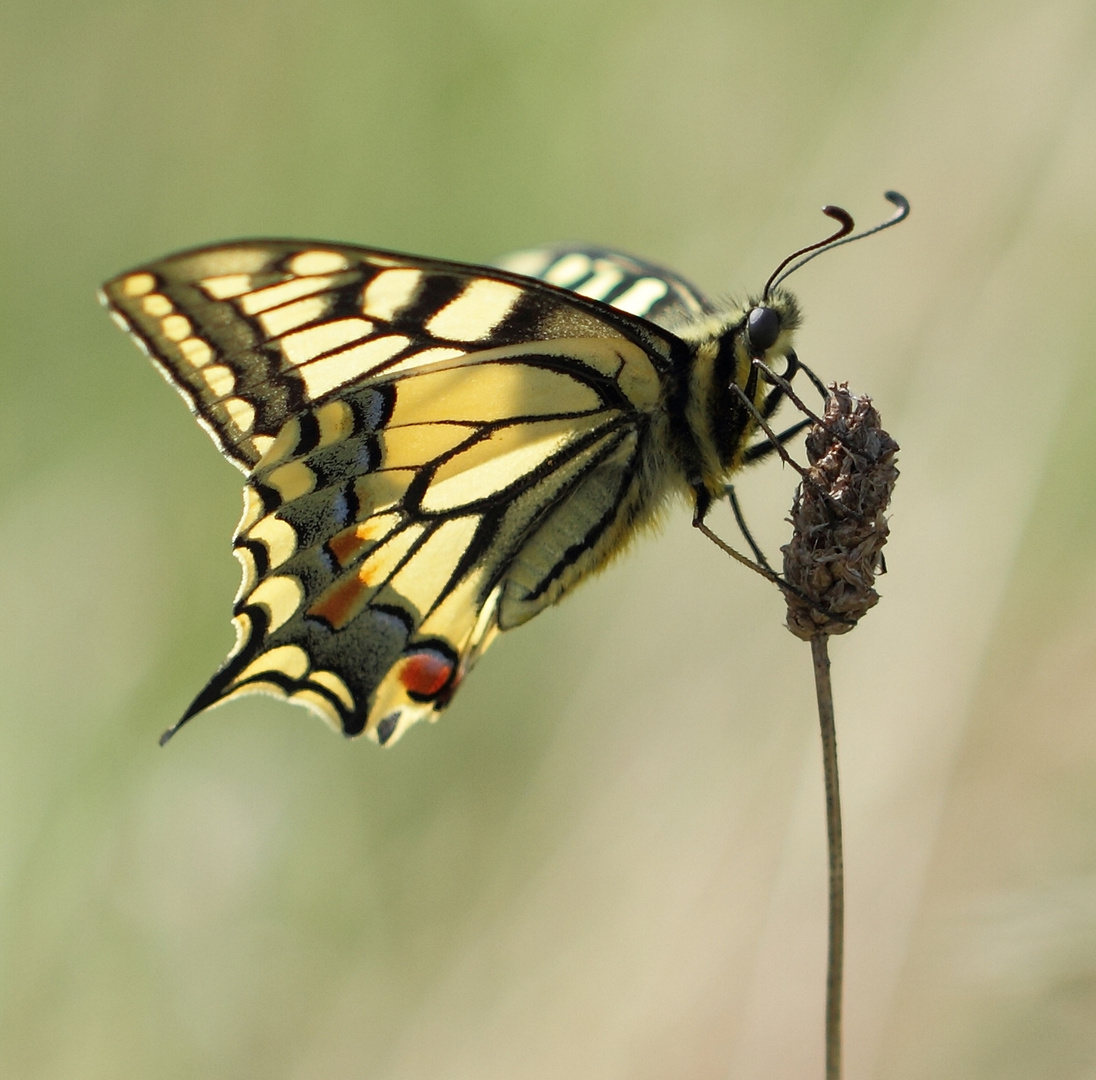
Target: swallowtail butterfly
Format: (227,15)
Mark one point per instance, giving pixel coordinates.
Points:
(436,452)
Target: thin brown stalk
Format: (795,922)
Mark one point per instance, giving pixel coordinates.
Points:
(831,564)
(836,958)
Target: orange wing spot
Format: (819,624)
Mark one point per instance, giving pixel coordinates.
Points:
(425,674)
(341,602)
(345,545)
(351,541)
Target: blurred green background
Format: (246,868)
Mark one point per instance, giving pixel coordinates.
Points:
(608,860)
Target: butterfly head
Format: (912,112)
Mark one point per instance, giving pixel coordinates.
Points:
(726,387)
(769,326)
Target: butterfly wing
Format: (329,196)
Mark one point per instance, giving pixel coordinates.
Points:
(434,452)
(629,284)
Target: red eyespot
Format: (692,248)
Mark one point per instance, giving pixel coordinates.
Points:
(425,674)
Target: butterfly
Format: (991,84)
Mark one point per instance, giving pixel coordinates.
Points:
(435,452)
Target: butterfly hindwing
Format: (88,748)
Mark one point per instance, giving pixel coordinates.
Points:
(434,452)
(629,284)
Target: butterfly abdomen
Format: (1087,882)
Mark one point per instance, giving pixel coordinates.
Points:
(622,493)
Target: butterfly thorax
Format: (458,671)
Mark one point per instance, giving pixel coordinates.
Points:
(718,422)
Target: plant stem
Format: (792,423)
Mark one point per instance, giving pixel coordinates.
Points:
(834,970)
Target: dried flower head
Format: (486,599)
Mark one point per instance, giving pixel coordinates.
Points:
(838,518)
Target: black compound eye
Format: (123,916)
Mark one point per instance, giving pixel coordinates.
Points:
(762,329)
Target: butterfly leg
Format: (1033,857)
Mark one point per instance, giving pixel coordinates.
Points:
(701,506)
(764,448)
(761,566)
(744,529)
(777,394)
(782,387)
(780,391)
(782,384)
(772,439)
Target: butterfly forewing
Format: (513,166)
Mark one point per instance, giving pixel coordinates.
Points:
(434,452)
(250,333)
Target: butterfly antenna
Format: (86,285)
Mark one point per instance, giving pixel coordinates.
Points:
(901,213)
(847,226)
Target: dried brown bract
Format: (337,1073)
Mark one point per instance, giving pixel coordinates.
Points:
(839,519)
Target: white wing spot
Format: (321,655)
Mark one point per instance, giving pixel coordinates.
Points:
(138,284)
(226,286)
(320,376)
(241,413)
(530,263)
(639,298)
(282,320)
(390,291)
(253,509)
(221,380)
(292,480)
(281,596)
(157,305)
(306,345)
(176,327)
(330,681)
(606,278)
(289,660)
(336,421)
(276,295)
(318,262)
(476,311)
(283,445)
(196,351)
(262,443)
(568,270)
(278,536)
(250,576)
(242,625)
